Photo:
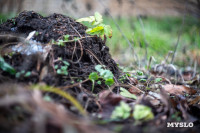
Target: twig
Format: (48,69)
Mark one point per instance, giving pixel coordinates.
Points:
(79,44)
(94,56)
(73,51)
(74,85)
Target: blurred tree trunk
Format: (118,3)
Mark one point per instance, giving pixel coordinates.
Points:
(8,6)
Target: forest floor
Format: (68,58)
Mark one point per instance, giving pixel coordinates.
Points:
(48,85)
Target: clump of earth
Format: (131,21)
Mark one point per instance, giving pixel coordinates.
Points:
(39,58)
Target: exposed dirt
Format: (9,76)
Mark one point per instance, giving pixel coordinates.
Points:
(82,56)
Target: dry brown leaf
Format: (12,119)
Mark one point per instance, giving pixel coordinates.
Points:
(178,89)
(195,101)
(134,90)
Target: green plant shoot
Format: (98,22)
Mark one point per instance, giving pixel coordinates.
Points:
(6,67)
(96,26)
(121,112)
(105,74)
(142,113)
(157,80)
(63,69)
(93,77)
(127,94)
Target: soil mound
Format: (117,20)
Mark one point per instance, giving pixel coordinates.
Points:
(82,55)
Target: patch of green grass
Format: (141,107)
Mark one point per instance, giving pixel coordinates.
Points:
(161,35)
(4,17)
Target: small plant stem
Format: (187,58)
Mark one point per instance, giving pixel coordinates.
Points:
(79,39)
(74,85)
(93,85)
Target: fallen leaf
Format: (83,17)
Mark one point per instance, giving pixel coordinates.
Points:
(178,89)
(134,90)
(195,101)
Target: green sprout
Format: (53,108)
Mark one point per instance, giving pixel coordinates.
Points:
(157,80)
(63,69)
(140,73)
(6,67)
(142,113)
(96,26)
(93,77)
(127,94)
(123,111)
(104,74)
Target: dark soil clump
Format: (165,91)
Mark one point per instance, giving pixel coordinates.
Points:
(82,55)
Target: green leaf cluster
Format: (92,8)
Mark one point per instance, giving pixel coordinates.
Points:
(123,111)
(62,42)
(6,67)
(63,69)
(23,73)
(104,74)
(142,113)
(127,94)
(96,26)
(140,73)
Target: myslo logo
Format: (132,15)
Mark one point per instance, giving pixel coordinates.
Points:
(179,124)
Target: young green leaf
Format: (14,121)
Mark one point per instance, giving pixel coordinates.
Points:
(107,75)
(60,43)
(98,19)
(108,31)
(140,73)
(6,67)
(97,27)
(158,80)
(104,73)
(66,38)
(127,94)
(96,30)
(142,113)
(93,76)
(89,19)
(27,74)
(98,68)
(121,112)
(66,63)
(142,80)
(63,69)
(109,82)
(99,82)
